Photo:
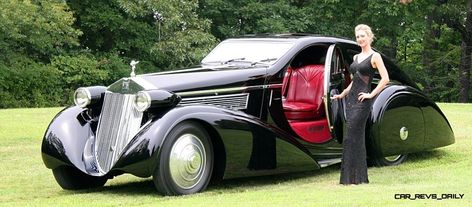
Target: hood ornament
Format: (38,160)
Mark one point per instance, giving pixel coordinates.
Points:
(133,67)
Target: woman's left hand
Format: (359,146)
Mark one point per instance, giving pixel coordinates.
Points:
(362,96)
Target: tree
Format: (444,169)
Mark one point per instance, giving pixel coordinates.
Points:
(330,17)
(50,47)
(109,30)
(181,37)
(231,18)
(447,48)
(458,16)
(31,33)
(39,29)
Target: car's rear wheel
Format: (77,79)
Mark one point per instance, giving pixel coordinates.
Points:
(185,162)
(389,160)
(70,178)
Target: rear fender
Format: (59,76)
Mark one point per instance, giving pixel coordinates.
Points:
(404,120)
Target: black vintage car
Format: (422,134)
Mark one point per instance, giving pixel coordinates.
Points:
(256,105)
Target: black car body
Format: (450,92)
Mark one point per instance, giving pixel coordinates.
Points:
(256,105)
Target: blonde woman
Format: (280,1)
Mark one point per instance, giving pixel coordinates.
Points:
(358,106)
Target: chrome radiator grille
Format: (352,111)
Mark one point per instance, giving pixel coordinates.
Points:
(118,123)
(234,101)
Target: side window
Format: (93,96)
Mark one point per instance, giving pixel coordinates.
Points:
(312,55)
(337,66)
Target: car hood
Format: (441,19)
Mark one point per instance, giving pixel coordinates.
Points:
(192,79)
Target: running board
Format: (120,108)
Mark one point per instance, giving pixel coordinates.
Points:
(328,162)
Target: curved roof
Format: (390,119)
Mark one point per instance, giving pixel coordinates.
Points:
(293,36)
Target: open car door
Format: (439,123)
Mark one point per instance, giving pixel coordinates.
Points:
(333,84)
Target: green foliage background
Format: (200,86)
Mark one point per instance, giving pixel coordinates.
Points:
(48,48)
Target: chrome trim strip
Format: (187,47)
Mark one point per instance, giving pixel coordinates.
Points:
(232,101)
(327,73)
(213,91)
(273,86)
(227,90)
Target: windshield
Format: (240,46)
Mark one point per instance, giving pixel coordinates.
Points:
(248,50)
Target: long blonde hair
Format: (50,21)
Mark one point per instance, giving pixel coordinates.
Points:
(367,30)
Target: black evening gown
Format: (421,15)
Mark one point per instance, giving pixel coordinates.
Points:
(354,163)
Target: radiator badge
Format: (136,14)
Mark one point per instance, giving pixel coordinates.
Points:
(125,85)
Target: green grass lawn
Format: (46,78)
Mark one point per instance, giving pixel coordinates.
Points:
(25,181)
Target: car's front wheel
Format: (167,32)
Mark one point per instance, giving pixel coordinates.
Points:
(70,178)
(185,162)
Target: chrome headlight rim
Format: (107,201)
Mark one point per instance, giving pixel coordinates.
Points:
(85,97)
(142,101)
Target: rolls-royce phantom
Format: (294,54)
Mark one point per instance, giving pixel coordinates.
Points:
(256,105)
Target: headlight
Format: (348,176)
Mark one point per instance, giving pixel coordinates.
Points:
(82,97)
(142,101)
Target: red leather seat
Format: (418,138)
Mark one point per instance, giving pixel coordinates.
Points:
(303,105)
(303,89)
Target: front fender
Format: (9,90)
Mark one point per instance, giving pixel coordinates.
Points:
(140,156)
(250,147)
(65,138)
(69,134)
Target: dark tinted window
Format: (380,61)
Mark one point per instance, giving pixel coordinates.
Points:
(315,54)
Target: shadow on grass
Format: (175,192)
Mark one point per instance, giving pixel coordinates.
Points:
(417,157)
(273,179)
(143,187)
(428,155)
(146,186)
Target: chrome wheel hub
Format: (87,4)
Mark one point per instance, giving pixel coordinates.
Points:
(187,161)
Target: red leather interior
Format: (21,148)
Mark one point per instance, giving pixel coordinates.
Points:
(303,105)
(312,131)
(303,93)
